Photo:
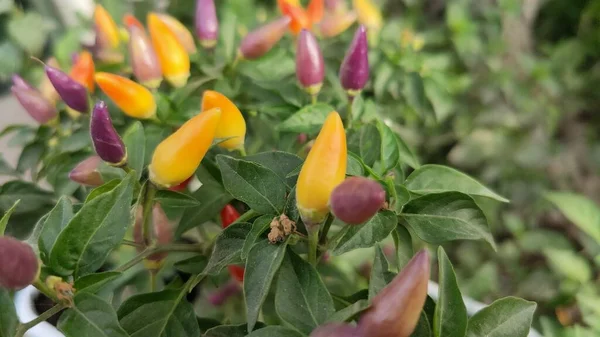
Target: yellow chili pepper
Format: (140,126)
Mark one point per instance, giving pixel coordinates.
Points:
(178,156)
(83,70)
(368,14)
(322,171)
(106,28)
(232,124)
(181,32)
(174,59)
(134,99)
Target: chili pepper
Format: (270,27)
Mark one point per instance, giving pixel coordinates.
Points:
(72,92)
(107,32)
(181,186)
(174,59)
(19,265)
(46,88)
(134,99)
(236,272)
(38,107)
(310,66)
(177,157)
(83,70)
(323,169)
(300,19)
(228,215)
(222,294)
(395,311)
(291,2)
(161,227)
(86,172)
(335,6)
(354,72)
(142,56)
(356,200)
(315,10)
(260,41)
(333,24)
(231,125)
(207,24)
(368,14)
(107,142)
(181,32)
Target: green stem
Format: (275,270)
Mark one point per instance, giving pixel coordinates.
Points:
(349,115)
(174,247)
(313,99)
(131,243)
(126,168)
(43,288)
(153,280)
(147,224)
(246,216)
(22,328)
(242,151)
(325,229)
(313,244)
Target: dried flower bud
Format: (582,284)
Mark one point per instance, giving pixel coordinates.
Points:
(107,142)
(207,24)
(395,311)
(163,231)
(336,330)
(335,23)
(310,66)
(356,200)
(72,92)
(258,42)
(86,172)
(38,107)
(354,72)
(18,264)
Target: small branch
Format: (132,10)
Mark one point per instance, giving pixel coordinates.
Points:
(163,248)
(131,243)
(246,216)
(147,223)
(313,243)
(22,328)
(43,288)
(325,229)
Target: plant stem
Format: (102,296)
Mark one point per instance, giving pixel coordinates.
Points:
(131,243)
(313,244)
(175,247)
(43,288)
(325,230)
(126,168)
(313,99)
(148,203)
(246,216)
(152,280)
(22,328)
(242,151)
(349,115)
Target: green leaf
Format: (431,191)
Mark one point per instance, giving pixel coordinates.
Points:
(29,31)
(380,273)
(11,60)
(57,220)
(423,328)
(354,166)
(509,316)
(93,282)
(406,154)
(259,226)
(91,317)
(104,188)
(438,178)
(160,314)
(32,197)
(227,331)
(5,7)
(227,248)
(367,234)
(309,119)
(370,144)
(8,315)
(6,169)
(84,244)
(6,217)
(253,184)
(282,163)
(389,153)
(193,265)
(447,216)
(135,142)
(301,298)
(414,92)
(583,212)
(450,318)
(569,264)
(349,312)
(228,34)
(404,247)
(291,208)
(174,199)
(275,331)
(30,158)
(262,264)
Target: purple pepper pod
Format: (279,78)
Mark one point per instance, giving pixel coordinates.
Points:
(72,92)
(19,265)
(259,41)
(206,23)
(310,66)
(86,172)
(107,142)
(20,83)
(354,72)
(356,200)
(36,105)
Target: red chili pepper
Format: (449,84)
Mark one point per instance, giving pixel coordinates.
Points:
(236,272)
(182,186)
(228,215)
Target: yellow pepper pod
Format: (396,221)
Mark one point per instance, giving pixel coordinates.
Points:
(184,36)
(107,30)
(134,99)
(178,156)
(174,59)
(232,124)
(323,169)
(368,14)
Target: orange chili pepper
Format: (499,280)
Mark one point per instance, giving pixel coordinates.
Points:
(83,70)
(134,99)
(174,59)
(232,124)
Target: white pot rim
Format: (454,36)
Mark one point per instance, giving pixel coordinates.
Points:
(26,312)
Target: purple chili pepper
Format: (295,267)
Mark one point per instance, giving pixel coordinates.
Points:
(207,23)
(86,172)
(259,41)
(20,83)
(72,92)
(354,72)
(36,105)
(107,142)
(310,66)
